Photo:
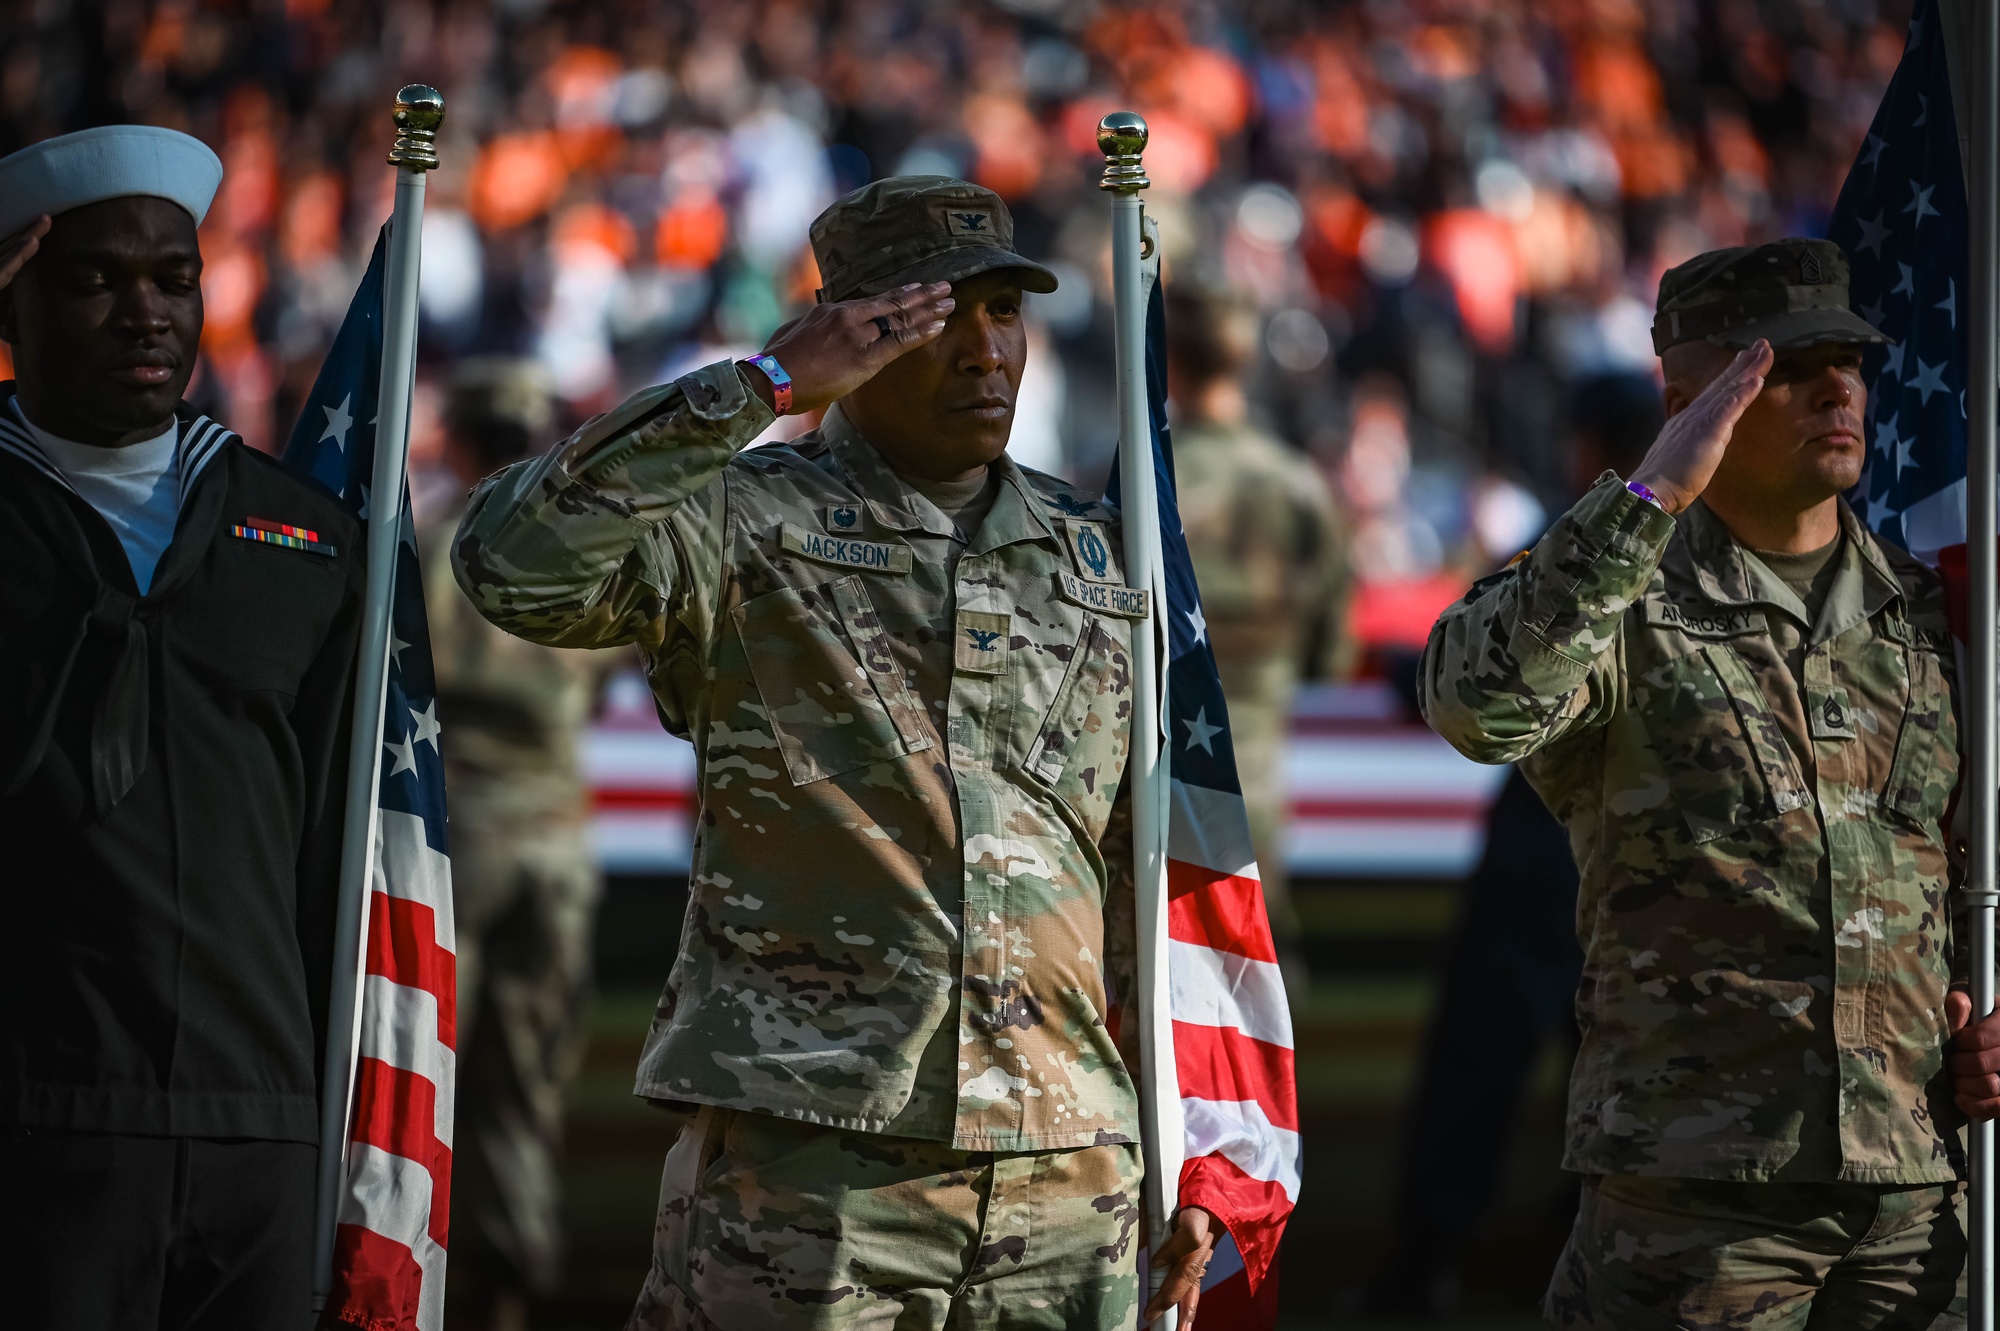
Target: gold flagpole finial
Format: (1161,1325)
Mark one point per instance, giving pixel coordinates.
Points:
(419,112)
(1121,137)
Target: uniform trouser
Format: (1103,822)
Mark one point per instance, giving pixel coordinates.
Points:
(525,909)
(107,1232)
(1697,1254)
(767,1224)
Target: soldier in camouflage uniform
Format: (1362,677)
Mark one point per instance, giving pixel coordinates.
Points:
(1269,554)
(904,663)
(1741,705)
(524,883)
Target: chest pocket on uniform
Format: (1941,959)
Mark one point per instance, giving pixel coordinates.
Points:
(1080,748)
(1920,782)
(1726,755)
(832,691)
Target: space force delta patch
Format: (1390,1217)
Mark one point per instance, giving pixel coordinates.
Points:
(1104,597)
(1090,548)
(881,557)
(280,534)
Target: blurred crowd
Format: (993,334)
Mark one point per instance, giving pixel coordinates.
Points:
(1450,214)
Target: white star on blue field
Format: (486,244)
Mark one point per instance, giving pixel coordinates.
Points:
(1901,218)
(332,445)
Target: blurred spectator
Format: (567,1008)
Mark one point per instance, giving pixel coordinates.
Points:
(1270,556)
(524,883)
(1401,576)
(1472,198)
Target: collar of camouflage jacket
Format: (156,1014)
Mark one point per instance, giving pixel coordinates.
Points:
(899,506)
(1708,554)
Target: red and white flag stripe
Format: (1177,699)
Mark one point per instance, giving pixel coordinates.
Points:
(390,1244)
(1226,1297)
(1232,1049)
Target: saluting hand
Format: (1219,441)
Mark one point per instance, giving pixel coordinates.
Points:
(831,350)
(1682,461)
(20,247)
(1974,1059)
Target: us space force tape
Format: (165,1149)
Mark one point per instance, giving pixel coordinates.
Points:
(1104,597)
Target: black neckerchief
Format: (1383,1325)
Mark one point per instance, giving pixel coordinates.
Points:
(121,722)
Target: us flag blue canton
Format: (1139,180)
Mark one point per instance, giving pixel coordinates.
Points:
(1206,755)
(394,1208)
(1901,217)
(1232,1028)
(334,442)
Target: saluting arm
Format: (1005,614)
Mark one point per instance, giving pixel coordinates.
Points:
(563,549)
(590,545)
(1528,655)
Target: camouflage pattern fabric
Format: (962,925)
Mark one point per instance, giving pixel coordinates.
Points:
(516,711)
(772,1225)
(1792,291)
(910,759)
(1764,876)
(526,910)
(916,229)
(1271,558)
(525,889)
(1704,1255)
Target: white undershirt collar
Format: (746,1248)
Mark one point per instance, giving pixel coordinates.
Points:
(134,488)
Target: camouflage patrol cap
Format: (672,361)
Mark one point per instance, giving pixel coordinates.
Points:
(500,407)
(501,390)
(916,229)
(1791,292)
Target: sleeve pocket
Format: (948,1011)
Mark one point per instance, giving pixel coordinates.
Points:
(1919,786)
(1062,729)
(1081,747)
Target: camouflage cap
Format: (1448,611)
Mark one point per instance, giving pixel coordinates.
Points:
(501,390)
(916,229)
(1791,292)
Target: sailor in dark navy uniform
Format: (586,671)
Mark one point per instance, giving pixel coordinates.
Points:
(178,625)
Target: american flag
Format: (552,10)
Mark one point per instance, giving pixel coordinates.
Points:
(1901,217)
(389,1252)
(1232,1025)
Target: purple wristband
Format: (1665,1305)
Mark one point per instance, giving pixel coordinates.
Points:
(781,383)
(1638,489)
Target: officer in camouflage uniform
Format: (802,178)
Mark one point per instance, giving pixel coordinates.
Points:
(1269,554)
(904,663)
(524,883)
(1740,703)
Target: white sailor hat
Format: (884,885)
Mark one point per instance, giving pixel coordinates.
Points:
(111,162)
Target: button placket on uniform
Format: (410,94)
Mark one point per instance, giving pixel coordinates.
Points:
(1857,918)
(978,711)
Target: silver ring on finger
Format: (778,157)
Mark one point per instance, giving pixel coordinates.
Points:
(881,321)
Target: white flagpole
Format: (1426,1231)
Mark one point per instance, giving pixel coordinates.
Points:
(1982,743)
(419,110)
(1122,137)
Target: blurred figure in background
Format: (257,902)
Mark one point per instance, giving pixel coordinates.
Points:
(1400,568)
(1509,979)
(1271,558)
(524,881)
